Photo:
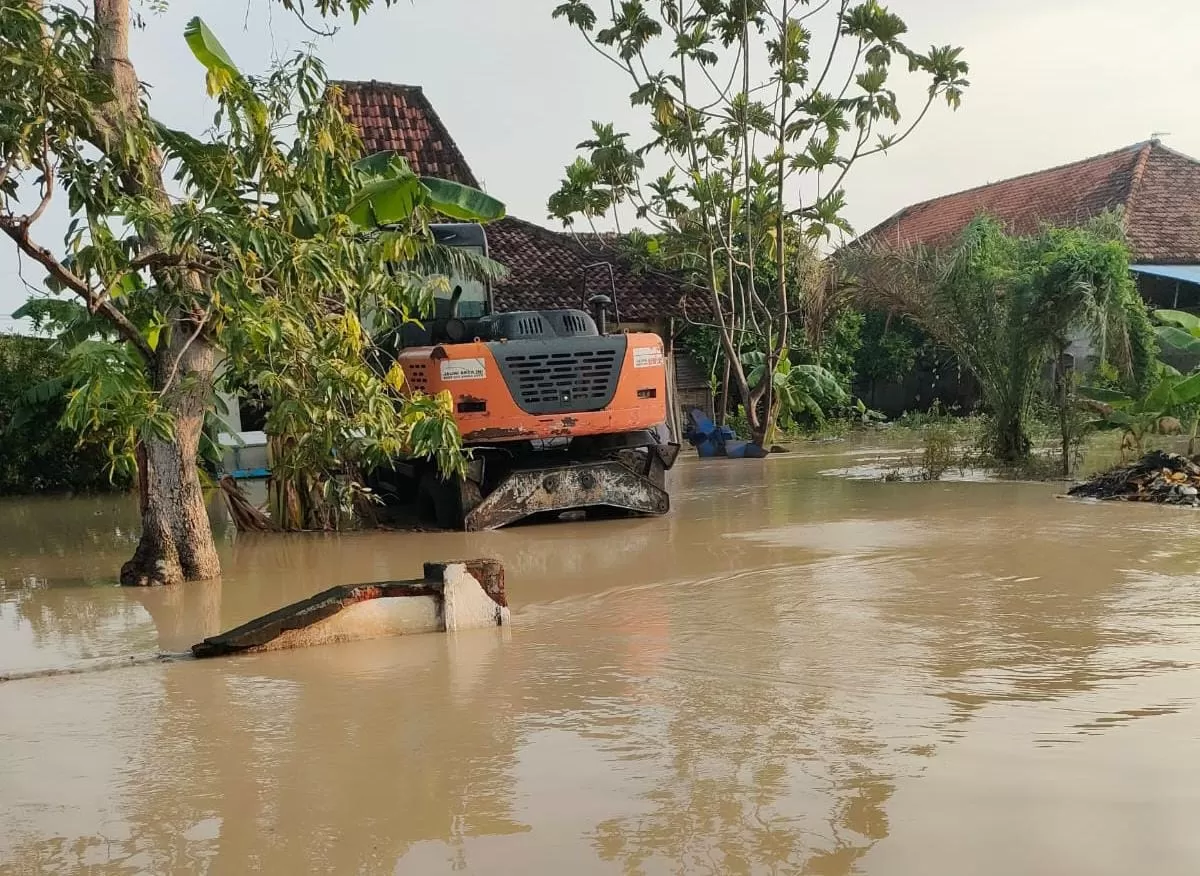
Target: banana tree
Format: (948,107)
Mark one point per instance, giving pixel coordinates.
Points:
(797,391)
(343,243)
(1175,396)
(1179,330)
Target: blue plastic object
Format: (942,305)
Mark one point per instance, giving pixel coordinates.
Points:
(744,450)
(711,440)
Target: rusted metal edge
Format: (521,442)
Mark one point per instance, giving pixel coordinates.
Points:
(667,453)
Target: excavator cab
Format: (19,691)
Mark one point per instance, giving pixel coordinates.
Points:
(558,413)
(464,302)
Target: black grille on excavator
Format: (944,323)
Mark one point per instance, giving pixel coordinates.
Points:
(531,325)
(567,375)
(577,323)
(548,378)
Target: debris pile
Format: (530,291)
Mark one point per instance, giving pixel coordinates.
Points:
(1165,478)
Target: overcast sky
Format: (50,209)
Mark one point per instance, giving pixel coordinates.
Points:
(1052,81)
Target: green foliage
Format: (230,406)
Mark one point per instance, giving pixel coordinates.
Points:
(36,452)
(111,396)
(1008,306)
(842,346)
(109,401)
(738,422)
(279,245)
(1068,418)
(221,71)
(891,348)
(803,394)
(389,193)
(937,451)
(1178,331)
(744,114)
(814,386)
(325,243)
(1174,395)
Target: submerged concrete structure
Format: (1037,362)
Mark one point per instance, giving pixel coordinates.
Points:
(450,597)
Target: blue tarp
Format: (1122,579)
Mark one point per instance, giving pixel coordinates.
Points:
(1186,273)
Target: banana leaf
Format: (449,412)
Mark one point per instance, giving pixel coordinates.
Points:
(386,201)
(1187,390)
(208,51)
(1178,318)
(381,165)
(462,202)
(1177,339)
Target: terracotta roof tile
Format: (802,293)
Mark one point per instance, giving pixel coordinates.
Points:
(1158,188)
(1163,215)
(400,118)
(546,268)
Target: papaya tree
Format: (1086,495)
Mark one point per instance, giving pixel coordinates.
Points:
(758,109)
(256,228)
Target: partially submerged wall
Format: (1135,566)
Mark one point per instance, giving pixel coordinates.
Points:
(451,597)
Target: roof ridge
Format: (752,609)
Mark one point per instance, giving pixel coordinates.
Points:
(565,235)
(1135,181)
(377,82)
(896,215)
(1165,148)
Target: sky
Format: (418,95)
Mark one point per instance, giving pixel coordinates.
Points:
(1052,81)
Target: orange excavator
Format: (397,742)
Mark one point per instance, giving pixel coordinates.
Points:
(558,413)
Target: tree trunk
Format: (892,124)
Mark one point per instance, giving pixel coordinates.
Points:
(762,424)
(143,490)
(722,410)
(1012,444)
(177,543)
(1063,377)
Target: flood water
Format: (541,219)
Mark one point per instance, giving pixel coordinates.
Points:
(790,673)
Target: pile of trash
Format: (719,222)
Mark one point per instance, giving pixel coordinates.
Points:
(1165,478)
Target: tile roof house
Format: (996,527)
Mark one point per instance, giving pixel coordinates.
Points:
(546,268)
(1156,188)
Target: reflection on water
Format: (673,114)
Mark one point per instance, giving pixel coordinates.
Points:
(788,674)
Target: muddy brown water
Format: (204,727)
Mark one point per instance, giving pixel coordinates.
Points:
(790,673)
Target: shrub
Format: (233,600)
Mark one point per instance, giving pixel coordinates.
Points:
(36,453)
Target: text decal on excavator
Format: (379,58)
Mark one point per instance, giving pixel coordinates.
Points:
(647,357)
(463,369)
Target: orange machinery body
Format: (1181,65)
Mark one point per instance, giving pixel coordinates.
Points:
(487,412)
